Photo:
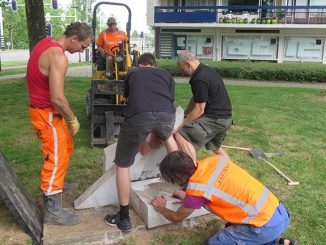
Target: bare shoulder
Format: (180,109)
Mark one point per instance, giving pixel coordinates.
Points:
(57,56)
(52,57)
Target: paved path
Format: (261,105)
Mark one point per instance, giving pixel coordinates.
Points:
(85,71)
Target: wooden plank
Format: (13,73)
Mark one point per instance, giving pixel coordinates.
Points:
(19,202)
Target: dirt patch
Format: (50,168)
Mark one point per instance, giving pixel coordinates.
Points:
(11,234)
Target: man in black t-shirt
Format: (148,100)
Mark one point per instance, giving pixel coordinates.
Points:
(150,110)
(209,111)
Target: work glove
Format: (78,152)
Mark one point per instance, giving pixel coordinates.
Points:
(74,125)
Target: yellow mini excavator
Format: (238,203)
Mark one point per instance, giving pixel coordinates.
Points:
(105,102)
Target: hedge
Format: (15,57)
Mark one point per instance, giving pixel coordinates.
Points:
(251,70)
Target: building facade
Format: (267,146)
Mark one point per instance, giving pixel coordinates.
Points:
(274,30)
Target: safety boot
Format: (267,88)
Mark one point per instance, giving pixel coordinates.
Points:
(55,214)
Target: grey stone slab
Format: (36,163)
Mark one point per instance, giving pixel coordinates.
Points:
(19,202)
(91,230)
(103,191)
(144,191)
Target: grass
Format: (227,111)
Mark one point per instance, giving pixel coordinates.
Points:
(268,118)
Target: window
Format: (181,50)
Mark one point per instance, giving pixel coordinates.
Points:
(244,2)
(317,2)
(303,48)
(249,47)
(202,46)
(302,3)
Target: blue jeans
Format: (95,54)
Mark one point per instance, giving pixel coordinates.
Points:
(268,234)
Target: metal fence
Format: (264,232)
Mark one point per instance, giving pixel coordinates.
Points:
(241,14)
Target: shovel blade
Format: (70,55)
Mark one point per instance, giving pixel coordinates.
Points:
(257,153)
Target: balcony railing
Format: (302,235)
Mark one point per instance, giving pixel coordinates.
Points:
(241,14)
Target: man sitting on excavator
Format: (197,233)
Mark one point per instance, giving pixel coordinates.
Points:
(109,41)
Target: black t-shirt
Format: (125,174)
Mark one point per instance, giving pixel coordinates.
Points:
(149,89)
(207,86)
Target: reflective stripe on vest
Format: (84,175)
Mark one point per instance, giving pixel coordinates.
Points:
(112,42)
(210,190)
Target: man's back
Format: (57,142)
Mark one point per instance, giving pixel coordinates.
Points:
(208,86)
(149,89)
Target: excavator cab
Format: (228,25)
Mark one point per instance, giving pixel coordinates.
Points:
(105,102)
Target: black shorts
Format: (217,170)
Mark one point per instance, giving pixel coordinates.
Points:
(134,131)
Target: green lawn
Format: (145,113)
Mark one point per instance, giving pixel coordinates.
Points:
(268,118)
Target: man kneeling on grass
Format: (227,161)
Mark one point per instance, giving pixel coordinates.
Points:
(253,214)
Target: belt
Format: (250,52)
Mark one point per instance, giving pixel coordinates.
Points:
(56,115)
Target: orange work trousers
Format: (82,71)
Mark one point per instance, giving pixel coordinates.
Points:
(57,146)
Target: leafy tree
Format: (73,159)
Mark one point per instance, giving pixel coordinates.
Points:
(134,34)
(24,31)
(83,9)
(14,25)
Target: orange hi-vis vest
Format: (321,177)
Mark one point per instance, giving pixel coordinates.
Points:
(233,194)
(108,40)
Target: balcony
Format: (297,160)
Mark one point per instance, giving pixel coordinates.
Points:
(241,14)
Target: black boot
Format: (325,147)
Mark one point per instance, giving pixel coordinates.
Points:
(55,214)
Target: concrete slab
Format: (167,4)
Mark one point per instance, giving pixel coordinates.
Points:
(144,191)
(91,230)
(103,191)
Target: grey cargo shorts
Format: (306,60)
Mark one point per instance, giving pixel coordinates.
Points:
(206,131)
(134,131)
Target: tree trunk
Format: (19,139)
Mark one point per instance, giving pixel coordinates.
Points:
(35,21)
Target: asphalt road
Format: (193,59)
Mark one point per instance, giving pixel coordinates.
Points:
(23,55)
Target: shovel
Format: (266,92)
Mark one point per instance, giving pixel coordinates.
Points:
(259,154)
(256,153)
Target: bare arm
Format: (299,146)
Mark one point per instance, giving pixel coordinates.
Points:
(190,106)
(57,71)
(159,204)
(197,110)
(104,51)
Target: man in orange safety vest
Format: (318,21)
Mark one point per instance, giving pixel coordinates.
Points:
(108,41)
(253,213)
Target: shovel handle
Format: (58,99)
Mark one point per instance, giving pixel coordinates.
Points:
(290,182)
(236,147)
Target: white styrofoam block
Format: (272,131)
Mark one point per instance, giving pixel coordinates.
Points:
(143,193)
(103,192)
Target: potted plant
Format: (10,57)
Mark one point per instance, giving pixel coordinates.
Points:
(240,20)
(280,14)
(245,20)
(268,21)
(253,21)
(258,21)
(220,20)
(274,20)
(234,20)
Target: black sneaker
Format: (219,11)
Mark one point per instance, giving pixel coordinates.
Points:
(114,220)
